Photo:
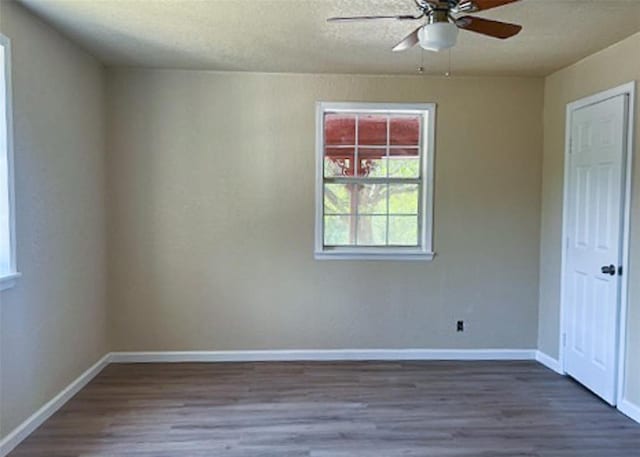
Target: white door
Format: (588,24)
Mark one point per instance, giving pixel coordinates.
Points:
(594,239)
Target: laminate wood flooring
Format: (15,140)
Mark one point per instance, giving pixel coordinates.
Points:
(337,409)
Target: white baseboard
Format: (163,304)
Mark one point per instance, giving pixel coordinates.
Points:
(629,409)
(17,435)
(36,419)
(549,362)
(323,355)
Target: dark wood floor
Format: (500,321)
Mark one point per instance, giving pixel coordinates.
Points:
(364,409)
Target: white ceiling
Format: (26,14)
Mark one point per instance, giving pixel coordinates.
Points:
(293,36)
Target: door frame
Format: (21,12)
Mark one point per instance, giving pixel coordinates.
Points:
(627,173)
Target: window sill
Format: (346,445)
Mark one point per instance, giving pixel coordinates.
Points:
(397,256)
(9,280)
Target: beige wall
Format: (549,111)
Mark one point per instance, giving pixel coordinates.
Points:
(212,217)
(53,322)
(610,68)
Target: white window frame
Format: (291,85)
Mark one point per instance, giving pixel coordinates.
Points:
(9,279)
(422,252)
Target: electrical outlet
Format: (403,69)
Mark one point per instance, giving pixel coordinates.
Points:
(460,326)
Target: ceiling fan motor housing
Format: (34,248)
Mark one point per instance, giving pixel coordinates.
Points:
(439,33)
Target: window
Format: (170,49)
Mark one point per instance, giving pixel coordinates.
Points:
(8,272)
(374,181)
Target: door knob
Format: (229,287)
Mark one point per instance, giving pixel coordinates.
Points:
(609,270)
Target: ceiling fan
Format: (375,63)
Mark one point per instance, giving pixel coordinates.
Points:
(440,30)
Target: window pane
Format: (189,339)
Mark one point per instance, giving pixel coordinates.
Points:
(373,163)
(372,230)
(339,198)
(403,198)
(5,232)
(5,237)
(372,130)
(372,199)
(362,208)
(339,129)
(403,230)
(338,162)
(337,231)
(404,163)
(404,130)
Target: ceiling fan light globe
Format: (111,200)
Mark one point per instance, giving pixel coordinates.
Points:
(438,36)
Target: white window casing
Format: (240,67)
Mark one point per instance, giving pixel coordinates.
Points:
(422,249)
(8,264)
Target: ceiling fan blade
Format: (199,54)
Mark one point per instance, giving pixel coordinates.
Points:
(494,29)
(471,6)
(405,17)
(408,42)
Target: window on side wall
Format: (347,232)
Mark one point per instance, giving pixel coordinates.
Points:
(8,270)
(374,181)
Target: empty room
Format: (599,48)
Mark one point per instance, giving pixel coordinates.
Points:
(319,228)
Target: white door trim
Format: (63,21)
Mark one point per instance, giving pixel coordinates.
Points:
(626,89)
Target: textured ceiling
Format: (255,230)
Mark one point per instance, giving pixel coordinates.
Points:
(292,35)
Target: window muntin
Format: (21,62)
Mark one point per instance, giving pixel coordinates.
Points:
(374,177)
(7,233)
